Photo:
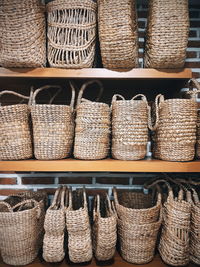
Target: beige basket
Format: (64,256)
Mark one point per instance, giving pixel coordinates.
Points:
(118,33)
(104,229)
(167,34)
(71,33)
(22,33)
(129,127)
(53,128)
(92,133)
(15,137)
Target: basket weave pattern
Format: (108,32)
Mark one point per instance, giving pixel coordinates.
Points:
(198,135)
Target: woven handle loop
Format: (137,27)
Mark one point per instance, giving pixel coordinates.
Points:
(143,97)
(7,92)
(56,199)
(116,202)
(159,99)
(114,98)
(46,87)
(28,201)
(3,203)
(170,191)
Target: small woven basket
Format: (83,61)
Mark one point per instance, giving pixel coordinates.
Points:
(92,133)
(53,128)
(22,33)
(167,34)
(129,127)
(15,136)
(104,229)
(71,33)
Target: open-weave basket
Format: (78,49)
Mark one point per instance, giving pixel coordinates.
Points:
(92,132)
(104,229)
(167,34)
(22,33)
(78,227)
(53,128)
(129,127)
(117,21)
(71,33)
(15,137)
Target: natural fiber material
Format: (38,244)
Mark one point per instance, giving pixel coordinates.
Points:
(129,127)
(15,137)
(198,135)
(53,128)
(118,34)
(22,33)
(92,133)
(167,34)
(71,33)
(104,229)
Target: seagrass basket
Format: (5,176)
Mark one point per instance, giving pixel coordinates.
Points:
(71,33)
(167,34)
(15,136)
(92,132)
(129,127)
(104,229)
(53,127)
(22,33)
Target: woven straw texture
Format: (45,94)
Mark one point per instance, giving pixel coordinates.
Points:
(129,127)
(117,21)
(15,137)
(198,135)
(71,33)
(92,132)
(22,33)
(167,34)
(104,229)
(53,128)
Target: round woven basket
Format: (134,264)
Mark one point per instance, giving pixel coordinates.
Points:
(22,33)
(167,34)
(117,22)
(71,33)
(15,136)
(53,128)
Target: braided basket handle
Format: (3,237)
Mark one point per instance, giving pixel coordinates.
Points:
(56,199)
(170,191)
(96,209)
(158,100)
(28,201)
(116,201)
(46,87)
(3,203)
(7,92)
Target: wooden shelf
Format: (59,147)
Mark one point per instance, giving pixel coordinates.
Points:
(106,165)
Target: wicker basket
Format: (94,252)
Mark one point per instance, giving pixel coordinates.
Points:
(22,33)
(53,128)
(71,33)
(92,133)
(117,21)
(129,127)
(167,34)
(15,137)
(104,229)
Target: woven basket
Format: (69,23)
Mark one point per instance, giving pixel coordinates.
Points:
(53,128)
(19,232)
(22,33)
(104,229)
(15,137)
(117,21)
(92,133)
(167,34)
(78,228)
(71,33)
(129,127)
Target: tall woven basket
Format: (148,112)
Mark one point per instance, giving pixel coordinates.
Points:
(118,33)
(22,33)
(167,34)
(53,128)
(92,132)
(15,137)
(129,127)
(71,33)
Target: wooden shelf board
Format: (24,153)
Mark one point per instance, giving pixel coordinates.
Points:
(106,165)
(96,73)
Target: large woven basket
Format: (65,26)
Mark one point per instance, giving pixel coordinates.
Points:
(22,33)
(92,133)
(117,21)
(167,34)
(53,128)
(15,137)
(129,127)
(71,33)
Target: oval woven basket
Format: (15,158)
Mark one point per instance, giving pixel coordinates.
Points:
(167,34)
(71,33)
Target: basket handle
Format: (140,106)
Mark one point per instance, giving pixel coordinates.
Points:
(70,198)
(37,91)
(191,84)
(55,202)
(159,99)
(62,200)
(116,202)
(3,203)
(154,183)
(114,98)
(28,201)
(5,92)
